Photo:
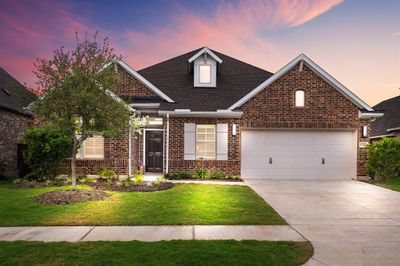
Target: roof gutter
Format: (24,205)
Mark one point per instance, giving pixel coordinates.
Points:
(208,114)
(393,129)
(370,114)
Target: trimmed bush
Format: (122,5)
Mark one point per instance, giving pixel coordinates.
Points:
(47,149)
(384,159)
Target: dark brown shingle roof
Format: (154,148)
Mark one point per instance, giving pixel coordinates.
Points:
(234,81)
(13,95)
(391,118)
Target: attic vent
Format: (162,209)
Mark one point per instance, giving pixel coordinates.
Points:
(6,91)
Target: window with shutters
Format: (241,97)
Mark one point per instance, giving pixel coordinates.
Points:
(205,142)
(92,148)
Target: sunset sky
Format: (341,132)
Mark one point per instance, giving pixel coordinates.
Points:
(356,41)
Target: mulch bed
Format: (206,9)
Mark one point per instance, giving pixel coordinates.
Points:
(144,187)
(40,184)
(63,197)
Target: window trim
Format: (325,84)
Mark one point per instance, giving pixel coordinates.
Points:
(210,75)
(304,98)
(82,151)
(215,143)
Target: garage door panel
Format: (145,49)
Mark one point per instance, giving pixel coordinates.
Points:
(298,154)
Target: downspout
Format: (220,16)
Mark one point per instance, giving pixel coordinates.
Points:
(129,150)
(167,148)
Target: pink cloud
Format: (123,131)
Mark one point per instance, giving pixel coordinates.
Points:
(235,29)
(394,34)
(30,35)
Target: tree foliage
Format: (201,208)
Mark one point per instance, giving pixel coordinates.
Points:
(384,158)
(48,146)
(78,94)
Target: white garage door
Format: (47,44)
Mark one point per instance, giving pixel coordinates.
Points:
(289,154)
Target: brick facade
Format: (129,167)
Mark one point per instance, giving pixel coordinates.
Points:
(176,149)
(12,127)
(325,107)
(131,87)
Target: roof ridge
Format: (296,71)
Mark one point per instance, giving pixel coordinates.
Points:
(241,61)
(172,58)
(388,100)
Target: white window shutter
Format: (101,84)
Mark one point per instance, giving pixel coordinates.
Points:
(189,141)
(222,141)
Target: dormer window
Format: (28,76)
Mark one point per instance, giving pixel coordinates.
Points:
(205,74)
(204,66)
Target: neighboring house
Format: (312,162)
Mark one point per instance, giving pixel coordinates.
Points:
(212,111)
(389,124)
(13,120)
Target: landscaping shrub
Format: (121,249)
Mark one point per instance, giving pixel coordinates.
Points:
(138,180)
(108,174)
(159,181)
(205,174)
(216,176)
(201,173)
(47,148)
(181,175)
(384,158)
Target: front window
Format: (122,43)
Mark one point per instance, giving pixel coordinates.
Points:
(205,142)
(299,98)
(92,148)
(205,74)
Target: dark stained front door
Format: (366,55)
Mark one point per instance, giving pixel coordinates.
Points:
(154,151)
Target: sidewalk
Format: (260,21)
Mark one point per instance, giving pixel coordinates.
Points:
(150,233)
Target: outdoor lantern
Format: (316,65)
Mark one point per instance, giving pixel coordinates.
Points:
(234,129)
(365,131)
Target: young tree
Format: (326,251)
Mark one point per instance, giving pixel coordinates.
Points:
(78,95)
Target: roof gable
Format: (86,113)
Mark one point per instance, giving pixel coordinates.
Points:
(13,95)
(235,79)
(205,50)
(314,67)
(391,119)
(139,77)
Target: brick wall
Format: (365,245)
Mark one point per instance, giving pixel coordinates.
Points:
(12,126)
(132,87)
(325,107)
(176,148)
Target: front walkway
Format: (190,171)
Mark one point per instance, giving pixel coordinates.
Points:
(150,233)
(347,222)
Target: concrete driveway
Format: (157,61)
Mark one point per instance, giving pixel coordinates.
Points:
(347,222)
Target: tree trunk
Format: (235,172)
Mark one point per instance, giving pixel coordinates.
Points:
(73,161)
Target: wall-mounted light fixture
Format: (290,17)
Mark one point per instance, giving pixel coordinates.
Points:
(364,131)
(234,131)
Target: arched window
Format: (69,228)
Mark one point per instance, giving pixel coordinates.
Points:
(299,98)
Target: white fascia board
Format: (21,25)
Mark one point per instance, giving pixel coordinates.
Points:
(381,136)
(228,114)
(393,129)
(145,105)
(207,51)
(371,115)
(317,69)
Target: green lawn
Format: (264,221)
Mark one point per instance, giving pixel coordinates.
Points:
(196,252)
(183,204)
(393,184)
